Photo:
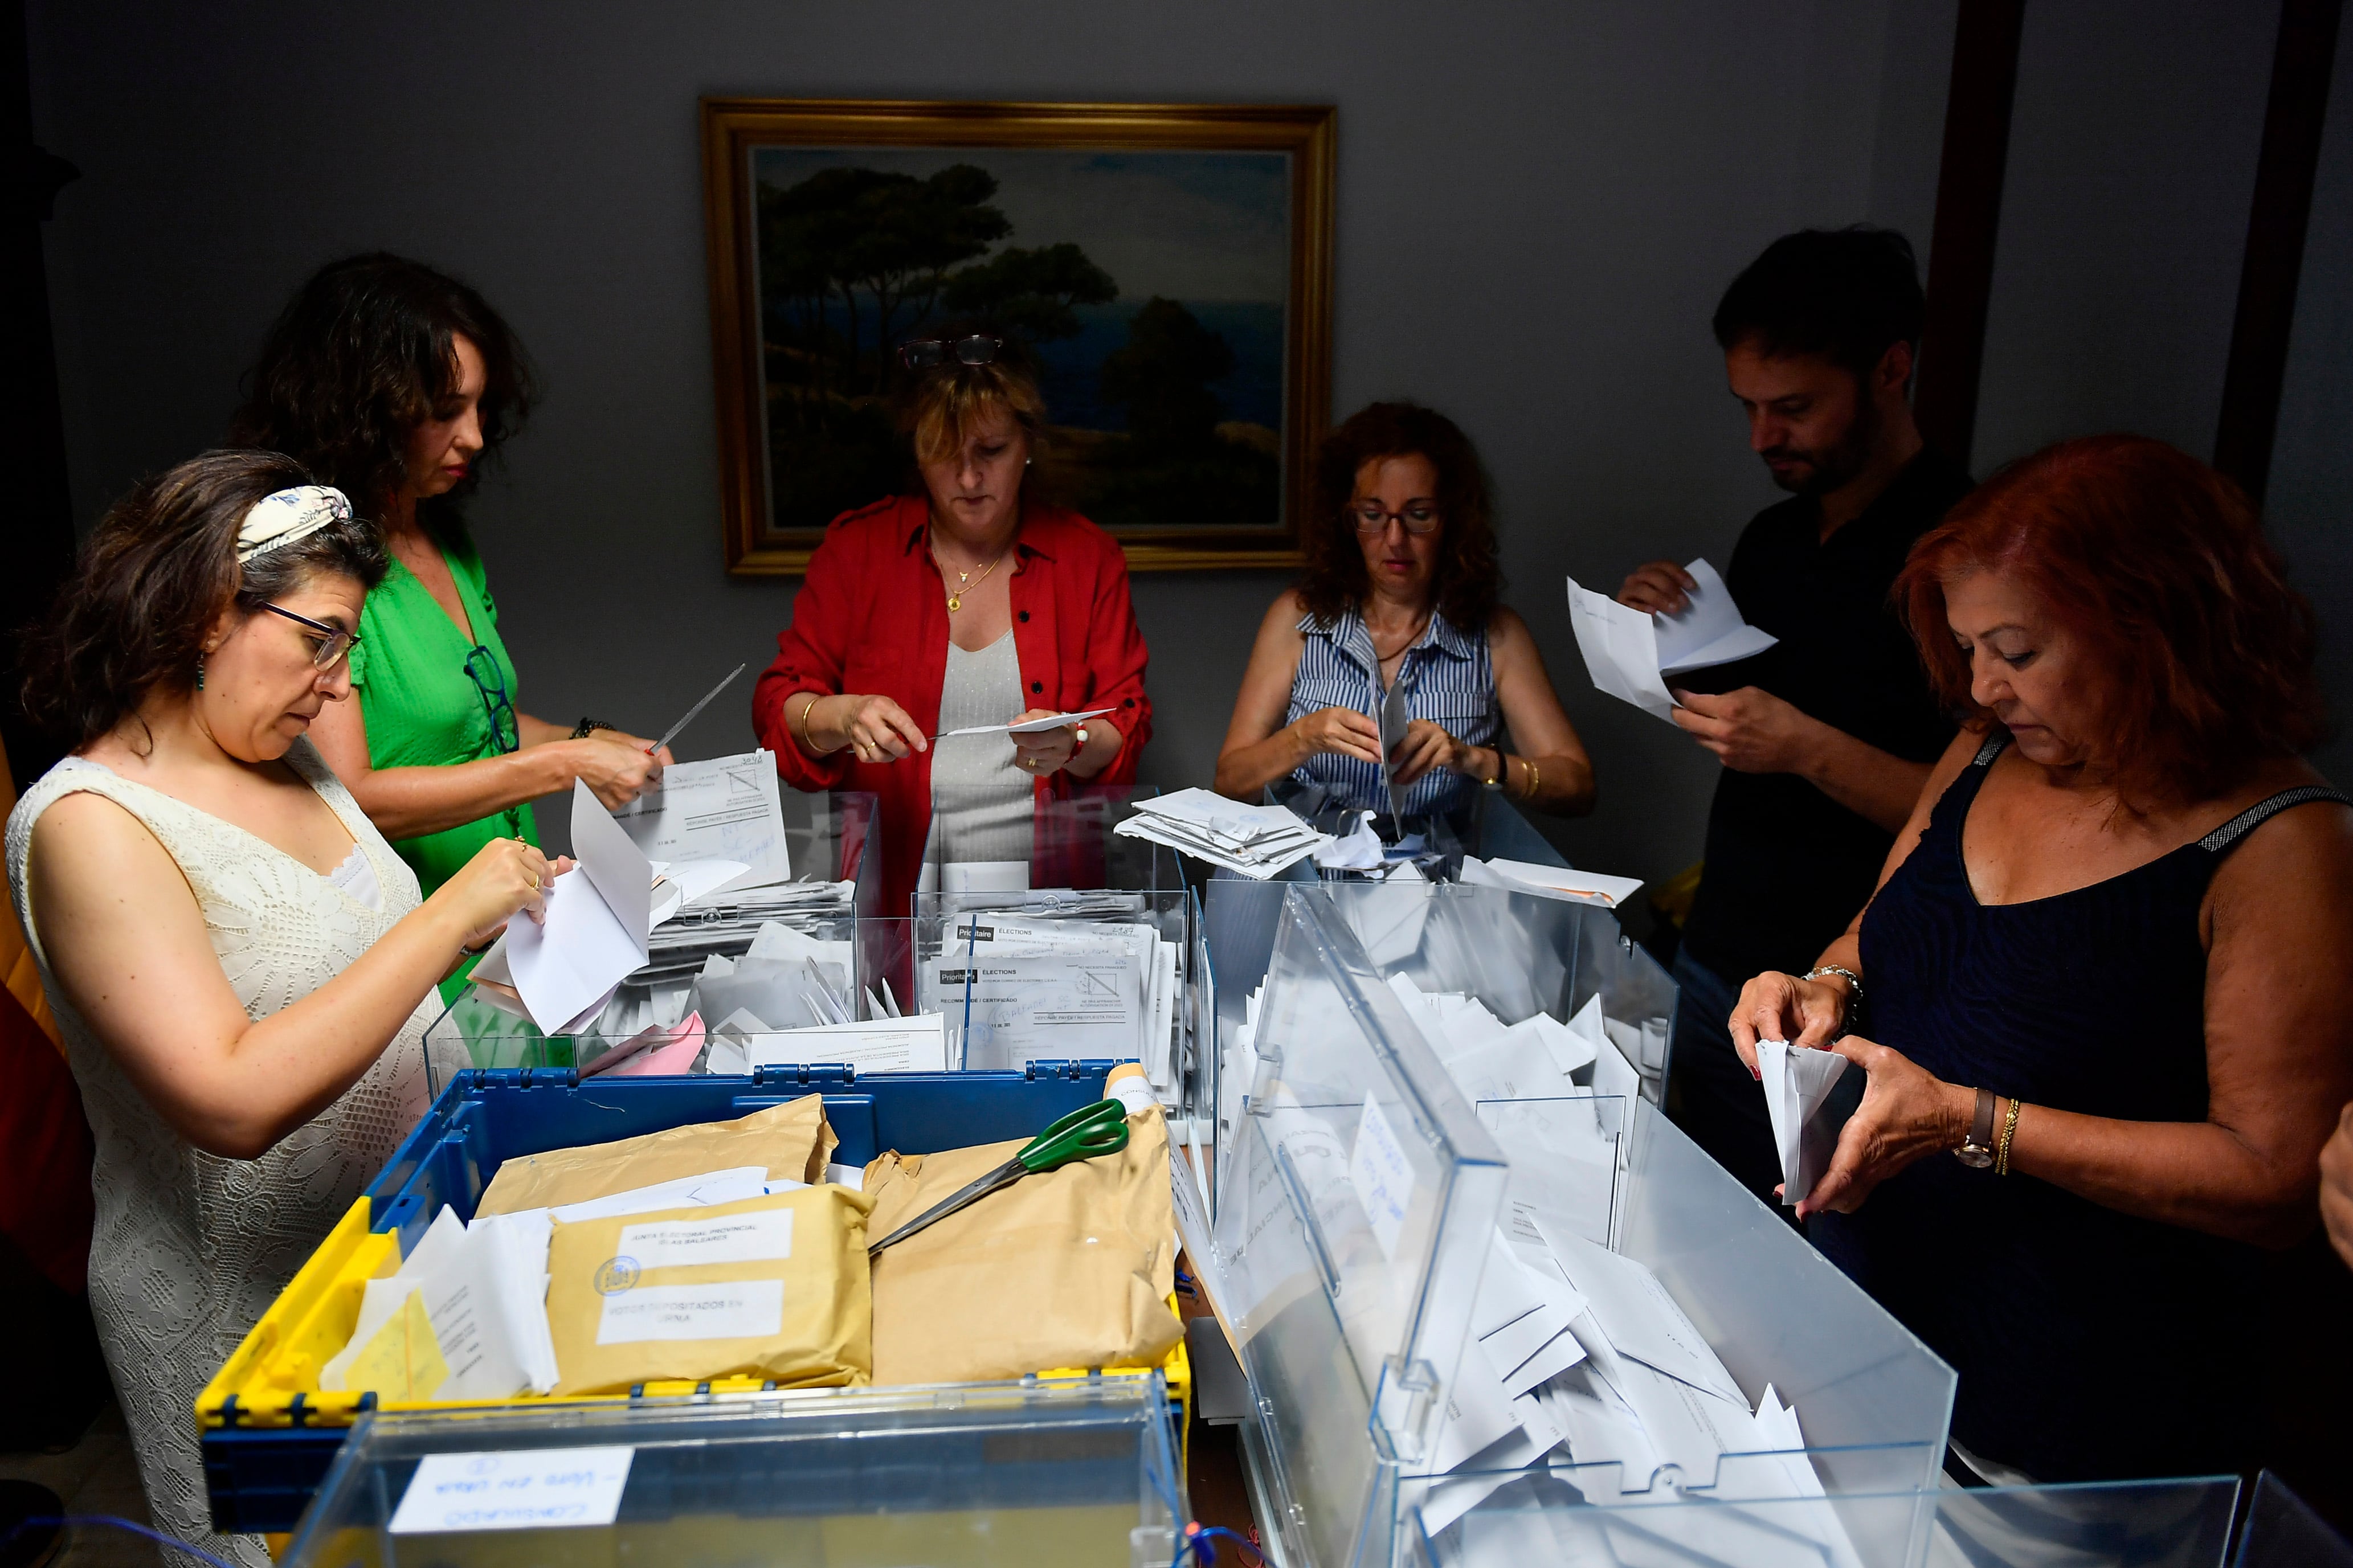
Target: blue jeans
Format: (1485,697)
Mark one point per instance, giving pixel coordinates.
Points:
(1716,1101)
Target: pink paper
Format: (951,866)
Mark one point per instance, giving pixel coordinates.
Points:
(670,1052)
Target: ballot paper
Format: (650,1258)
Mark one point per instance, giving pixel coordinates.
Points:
(1027,727)
(1630,654)
(1359,849)
(1798,1080)
(463,1317)
(878,1045)
(1016,989)
(723,808)
(1394,722)
(1257,841)
(1551,881)
(600,916)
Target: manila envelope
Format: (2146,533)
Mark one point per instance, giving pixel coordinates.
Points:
(792,1142)
(772,1287)
(1068,1268)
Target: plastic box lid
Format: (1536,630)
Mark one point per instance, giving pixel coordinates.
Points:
(1352,1222)
(975,1476)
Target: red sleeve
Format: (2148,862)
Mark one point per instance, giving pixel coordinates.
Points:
(1115,660)
(809,654)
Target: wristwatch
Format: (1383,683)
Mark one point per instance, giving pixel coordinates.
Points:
(580,730)
(1976,1152)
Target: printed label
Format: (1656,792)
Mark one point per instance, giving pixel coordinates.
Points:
(760,1237)
(730,1309)
(540,1488)
(1383,1179)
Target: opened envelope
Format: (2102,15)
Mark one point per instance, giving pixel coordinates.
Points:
(1630,654)
(600,917)
(1798,1080)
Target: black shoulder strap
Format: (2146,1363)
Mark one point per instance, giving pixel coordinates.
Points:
(1991,749)
(2262,811)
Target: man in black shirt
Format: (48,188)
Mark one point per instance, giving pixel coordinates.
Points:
(1826,736)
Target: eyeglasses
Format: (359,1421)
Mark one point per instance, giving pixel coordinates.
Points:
(1371,517)
(925,352)
(491,685)
(332,643)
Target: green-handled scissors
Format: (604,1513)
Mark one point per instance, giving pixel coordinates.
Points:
(1097,1129)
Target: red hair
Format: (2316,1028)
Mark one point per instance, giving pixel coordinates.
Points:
(2156,565)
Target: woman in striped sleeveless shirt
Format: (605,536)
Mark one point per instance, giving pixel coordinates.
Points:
(1401,590)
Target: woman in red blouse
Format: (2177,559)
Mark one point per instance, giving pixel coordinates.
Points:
(962,606)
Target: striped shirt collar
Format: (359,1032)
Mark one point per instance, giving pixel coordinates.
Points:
(1349,634)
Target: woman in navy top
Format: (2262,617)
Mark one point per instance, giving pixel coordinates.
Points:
(2104,966)
(1401,589)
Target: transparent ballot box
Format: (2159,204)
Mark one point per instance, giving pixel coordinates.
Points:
(1065,974)
(977,1475)
(1360,1197)
(1541,1519)
(1516,954)
(834,885)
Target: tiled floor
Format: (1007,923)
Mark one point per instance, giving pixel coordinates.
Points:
(97,1475)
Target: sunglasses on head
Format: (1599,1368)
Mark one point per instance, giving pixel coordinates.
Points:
(923,353)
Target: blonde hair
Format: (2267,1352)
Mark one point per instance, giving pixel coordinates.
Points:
(944,403)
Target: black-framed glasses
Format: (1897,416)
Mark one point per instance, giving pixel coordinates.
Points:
(331,645)
(491,685)
(1371,517)
(923,353)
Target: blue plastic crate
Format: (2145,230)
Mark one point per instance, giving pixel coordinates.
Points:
(264,1460)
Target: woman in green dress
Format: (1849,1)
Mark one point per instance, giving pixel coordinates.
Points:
(395,383)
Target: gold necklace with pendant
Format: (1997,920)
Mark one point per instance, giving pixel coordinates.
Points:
(966,580)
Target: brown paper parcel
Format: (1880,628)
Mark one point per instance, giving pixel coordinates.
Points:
(1068,1268)
(792,1142)
(767,1288)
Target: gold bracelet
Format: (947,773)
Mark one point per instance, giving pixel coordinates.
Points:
(807,743)
(1536,779)
(2001,1151)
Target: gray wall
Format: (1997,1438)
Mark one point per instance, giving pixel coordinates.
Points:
(1538,205)
(2311,465)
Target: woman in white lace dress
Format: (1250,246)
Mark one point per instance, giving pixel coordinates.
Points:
(239,962)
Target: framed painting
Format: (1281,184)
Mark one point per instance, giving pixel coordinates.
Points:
(1168,267)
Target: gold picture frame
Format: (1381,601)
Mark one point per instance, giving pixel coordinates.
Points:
(1225,151)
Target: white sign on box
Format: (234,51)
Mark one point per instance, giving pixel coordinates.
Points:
(536,1489)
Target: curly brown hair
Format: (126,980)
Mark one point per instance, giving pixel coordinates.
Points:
(2158,564)
(158,571)
(363,355)
(1467,585)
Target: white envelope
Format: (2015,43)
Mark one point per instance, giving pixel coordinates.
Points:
(719,809)
(1621,649)
(1798,1080)
(1028,726)
(1643,1322)
(1394,720)
(1708,630)
(599,915)
(1630,654)
(1552,881)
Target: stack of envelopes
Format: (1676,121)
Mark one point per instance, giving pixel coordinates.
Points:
(1257,841)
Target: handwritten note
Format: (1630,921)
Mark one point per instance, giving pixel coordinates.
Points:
(536,1489)
(1381,1175)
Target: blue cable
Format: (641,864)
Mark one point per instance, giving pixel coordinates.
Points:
(1199,1543)
(76,1520)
